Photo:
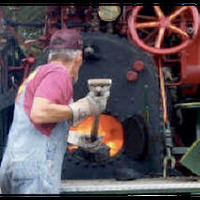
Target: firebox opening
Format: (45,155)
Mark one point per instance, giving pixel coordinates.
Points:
(109,128)
(137,137)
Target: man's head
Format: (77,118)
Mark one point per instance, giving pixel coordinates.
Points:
(66,46)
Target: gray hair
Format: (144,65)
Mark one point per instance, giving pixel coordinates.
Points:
(64,54)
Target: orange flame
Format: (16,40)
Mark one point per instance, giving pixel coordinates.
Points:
(109,128)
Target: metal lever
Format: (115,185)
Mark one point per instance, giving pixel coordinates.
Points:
(169,158)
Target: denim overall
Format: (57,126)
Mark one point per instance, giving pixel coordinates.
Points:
(32,162)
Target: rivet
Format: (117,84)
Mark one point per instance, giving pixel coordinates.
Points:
(132,76)
(122,118)
(102,166)
(138,66)
(77,163)
(86,165)
(132,99)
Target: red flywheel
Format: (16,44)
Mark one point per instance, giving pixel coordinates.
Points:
(161,30)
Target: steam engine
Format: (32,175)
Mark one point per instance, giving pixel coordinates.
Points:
(147,126)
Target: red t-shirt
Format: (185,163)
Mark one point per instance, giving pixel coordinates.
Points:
(52,82)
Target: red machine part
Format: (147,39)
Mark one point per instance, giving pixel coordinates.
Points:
(190,64)
(163,25)
(138,66)
(132,76)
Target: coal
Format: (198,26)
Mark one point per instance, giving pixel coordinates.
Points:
(100,155)
(126,173)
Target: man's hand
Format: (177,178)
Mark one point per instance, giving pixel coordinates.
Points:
(86,107)
(84,141)
(100,96)
(94,103)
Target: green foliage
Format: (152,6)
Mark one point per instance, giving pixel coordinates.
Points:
(26,15)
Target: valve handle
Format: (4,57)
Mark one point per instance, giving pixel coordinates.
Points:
(162,26)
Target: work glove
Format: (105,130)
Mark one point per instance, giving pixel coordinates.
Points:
(86,107)
(100,96)
(84,141)
(93,104)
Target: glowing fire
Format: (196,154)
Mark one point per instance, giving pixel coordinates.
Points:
(109,128)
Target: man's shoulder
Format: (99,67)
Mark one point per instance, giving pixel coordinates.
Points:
(58,72)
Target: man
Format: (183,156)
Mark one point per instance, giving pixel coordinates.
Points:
(44,109)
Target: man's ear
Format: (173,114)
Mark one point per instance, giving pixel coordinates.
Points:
(79,58)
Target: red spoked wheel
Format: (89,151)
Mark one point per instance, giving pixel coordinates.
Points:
(163,30)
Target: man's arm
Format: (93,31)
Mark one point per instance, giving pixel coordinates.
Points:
(44,111)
